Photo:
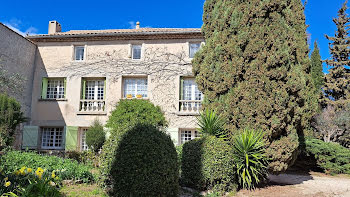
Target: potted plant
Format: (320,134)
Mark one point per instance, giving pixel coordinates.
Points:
(139,96)
(129,96)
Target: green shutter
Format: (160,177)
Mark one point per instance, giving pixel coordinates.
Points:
(83,88)
(181,88)
(65,87)
(71,138)
(30,137)
(44,88)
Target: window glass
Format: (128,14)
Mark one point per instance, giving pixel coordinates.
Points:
(188,135)
(191,91)
(136,52)
(79,53)
(84,146)
(194,47)
(55,89)
(135,86)
(52,138)
(94,90)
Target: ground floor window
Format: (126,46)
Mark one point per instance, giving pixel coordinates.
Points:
(188,135)
(84,146)
(52,138)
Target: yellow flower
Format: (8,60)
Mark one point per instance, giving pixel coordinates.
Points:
(7,178)
(53,175)
(29,170)
(8,183)
(39,172)
(22,171)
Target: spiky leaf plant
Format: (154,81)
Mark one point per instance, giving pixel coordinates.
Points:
(210,123)
(250,158)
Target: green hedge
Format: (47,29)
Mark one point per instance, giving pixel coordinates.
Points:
(331,157)
(145,164)
(70,169)
(207,163)
(126,115)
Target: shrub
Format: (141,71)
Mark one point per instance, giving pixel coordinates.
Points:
(331,157)
(249,158)
(10,117)
(211,124)
(127,114)
(13,160)
(207,164)
(95,136)
(145,164)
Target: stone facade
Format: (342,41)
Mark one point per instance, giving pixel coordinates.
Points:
(164,62)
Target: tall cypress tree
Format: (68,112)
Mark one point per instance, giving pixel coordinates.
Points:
(255,70)
(316,69)
(337,81)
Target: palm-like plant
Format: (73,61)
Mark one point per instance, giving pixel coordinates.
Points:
(250,158)
(210,123)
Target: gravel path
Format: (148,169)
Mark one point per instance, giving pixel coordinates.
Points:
(294,185)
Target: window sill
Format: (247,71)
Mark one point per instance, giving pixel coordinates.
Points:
(102,113)
(50,100)
(144,98)
(187,113)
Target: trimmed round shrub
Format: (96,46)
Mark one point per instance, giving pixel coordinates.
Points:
(207,163)
(145,164)
(126,115)
(95,136)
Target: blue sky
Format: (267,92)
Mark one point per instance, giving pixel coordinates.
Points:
(33,16)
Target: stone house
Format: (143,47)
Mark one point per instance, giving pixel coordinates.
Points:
(80,75)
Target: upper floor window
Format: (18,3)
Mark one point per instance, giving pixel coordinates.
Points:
(136,52)
(194,47)
(52,138)
(190,96)
(53,88)
(79,53)
(93,95)
(135,87)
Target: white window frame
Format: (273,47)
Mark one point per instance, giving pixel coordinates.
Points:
(75,53)
(193,43)
(135,88)
(83,145)
(96,86)
(132,51)
(193,135)
(194,89)
(60,85)
(56,130)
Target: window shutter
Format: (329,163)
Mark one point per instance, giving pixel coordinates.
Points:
(44,88)
(30,137)
(71,138)
(181,88)
(83,88)
(65,87)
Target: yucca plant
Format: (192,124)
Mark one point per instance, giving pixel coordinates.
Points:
(250,158)
(210,123)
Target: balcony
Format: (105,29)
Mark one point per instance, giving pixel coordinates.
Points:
(92,107)
(190,107)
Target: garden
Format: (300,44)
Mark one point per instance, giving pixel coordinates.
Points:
(266,119)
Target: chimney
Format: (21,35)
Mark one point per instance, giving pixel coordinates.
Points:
(54,27)
(137,25)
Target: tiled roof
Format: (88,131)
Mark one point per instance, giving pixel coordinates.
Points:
(141,31)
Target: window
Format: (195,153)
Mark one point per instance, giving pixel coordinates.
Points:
(188,135)
(135,87)
(52,138)
(53,88)
(190,98)
(194,47)
(79,53)
(94,89)
(190,90)
(136,52)
(84,146)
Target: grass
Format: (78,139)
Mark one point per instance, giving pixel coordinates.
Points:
(83,190)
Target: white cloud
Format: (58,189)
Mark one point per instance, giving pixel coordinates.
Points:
(132,24)
(15,25)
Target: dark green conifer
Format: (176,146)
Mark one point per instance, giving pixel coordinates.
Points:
(255,71)
(317,69)
(337,83)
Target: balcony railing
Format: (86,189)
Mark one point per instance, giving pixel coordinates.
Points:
(92,106)
(190,106)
